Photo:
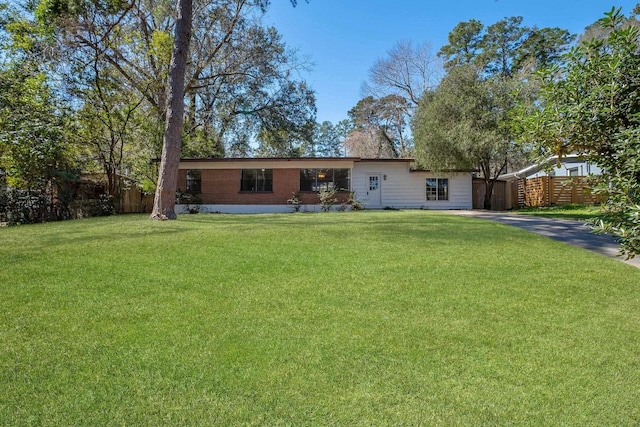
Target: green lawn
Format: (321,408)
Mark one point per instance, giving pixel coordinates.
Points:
(577,212)
(356,318)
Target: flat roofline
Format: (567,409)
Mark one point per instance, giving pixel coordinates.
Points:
(443,171)
(292,159)
(405,160)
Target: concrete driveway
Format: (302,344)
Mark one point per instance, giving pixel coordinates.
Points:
(573,233)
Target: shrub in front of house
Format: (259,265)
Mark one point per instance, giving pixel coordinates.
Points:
(327,199)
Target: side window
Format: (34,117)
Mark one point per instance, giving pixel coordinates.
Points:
(432,189)
(307,179)
(256,180)
(443,189)
(437,188)
(341,179)
(194,181)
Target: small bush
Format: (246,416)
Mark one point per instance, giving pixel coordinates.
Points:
(192,201)
(295,201)
(25,207)
(355,204)
(327,199)
(103,205)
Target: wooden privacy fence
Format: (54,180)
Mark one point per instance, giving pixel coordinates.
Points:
(555,190)
(504,196)
(541,191)
(133,200)
(130,200)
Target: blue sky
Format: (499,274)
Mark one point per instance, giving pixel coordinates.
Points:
(343,38)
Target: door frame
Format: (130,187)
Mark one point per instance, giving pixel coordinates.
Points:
(377,203)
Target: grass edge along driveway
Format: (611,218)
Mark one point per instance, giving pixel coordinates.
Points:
(383,318)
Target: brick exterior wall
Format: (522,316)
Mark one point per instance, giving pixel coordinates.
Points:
(222,186)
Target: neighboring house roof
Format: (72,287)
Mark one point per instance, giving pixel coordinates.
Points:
(523,173)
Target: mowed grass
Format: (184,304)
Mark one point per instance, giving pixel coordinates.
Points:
(360,318)
(575,212)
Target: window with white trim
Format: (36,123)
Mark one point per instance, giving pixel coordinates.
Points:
(437,188)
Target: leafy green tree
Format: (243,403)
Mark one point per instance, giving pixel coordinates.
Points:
(164,201)
(329,139)
(36,154)
(543,48)
(502,46)
(107,121)
(289,118)
(505,48)
(597,31)
(590,105)
(466,121)
(248,96)
(465,44)
(462,125)
(236,73)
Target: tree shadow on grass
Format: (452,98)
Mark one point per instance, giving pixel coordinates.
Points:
(81,236)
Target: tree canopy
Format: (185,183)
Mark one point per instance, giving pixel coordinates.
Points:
(110,62)
(504,48)
(590,105)
(380,128)
(37,153)
(466,121)
(463,125)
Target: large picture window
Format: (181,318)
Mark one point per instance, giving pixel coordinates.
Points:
(437,189)
(324,179)
(257,180)
(194,181)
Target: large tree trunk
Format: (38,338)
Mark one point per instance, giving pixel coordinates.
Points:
(165,198)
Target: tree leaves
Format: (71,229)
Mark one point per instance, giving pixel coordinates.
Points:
(34,143)
(591,105)
(504,48)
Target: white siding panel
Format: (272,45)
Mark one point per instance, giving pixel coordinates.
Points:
(405,189)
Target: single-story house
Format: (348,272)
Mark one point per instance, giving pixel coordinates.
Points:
(260,185)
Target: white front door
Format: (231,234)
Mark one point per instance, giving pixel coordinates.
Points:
(373,191)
